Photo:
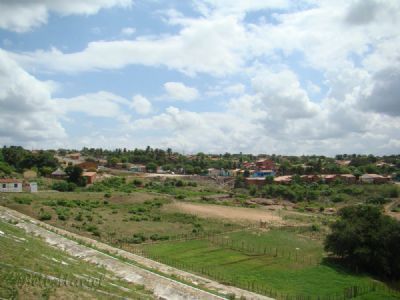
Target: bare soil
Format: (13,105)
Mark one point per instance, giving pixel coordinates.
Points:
(252,215)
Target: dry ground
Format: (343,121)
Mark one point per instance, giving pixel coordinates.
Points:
(225,212)
(389,212)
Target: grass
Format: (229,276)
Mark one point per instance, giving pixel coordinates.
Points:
(119,218)
(267,272)
(30,269)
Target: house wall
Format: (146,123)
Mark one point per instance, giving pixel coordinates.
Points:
(33,187)
(11,187)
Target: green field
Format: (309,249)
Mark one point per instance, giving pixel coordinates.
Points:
(30,269)
(275,273)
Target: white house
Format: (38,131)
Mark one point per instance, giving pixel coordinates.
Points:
(10,185)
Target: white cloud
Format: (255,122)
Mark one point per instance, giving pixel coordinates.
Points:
(280,92)
(238,6)
(21,15)
(203,45)
(226,89)
(141,105)
(128,31)
(313,88)
(100,104)
(235,89)
(384,96)
(179,91)
(27,112)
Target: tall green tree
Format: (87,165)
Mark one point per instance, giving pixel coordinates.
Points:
(367,239)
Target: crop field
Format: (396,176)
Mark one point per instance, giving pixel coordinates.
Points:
(277,263)
(30,269)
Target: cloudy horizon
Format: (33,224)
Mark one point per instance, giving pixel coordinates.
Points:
(280,76)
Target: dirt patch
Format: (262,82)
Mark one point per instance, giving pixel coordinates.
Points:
(225,212)
(390,206)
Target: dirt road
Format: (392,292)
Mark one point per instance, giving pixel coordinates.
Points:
(225,212)
(95,252)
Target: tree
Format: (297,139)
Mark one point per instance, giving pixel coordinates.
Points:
(367,239)
(151,167)
(75,175)
(269,179)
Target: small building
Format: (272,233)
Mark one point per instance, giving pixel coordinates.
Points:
(10,185)
(310,178)
(90,177)
(59,174)
(348,178)
(138,168)
(249,165)
(225,173)
(257,181)
(234,172)
(263,173)
(88,165)
(265,164)
(287,179)
(74,156)
(212,172)
(33,187)
(374,178)
(30,187)
(329,178)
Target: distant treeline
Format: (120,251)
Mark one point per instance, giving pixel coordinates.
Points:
(16,158)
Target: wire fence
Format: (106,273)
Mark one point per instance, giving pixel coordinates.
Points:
(259,287)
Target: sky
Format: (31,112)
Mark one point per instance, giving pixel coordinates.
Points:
(252,76)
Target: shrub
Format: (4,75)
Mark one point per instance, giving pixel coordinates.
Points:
(252,190)
(107,195)
(338,198)
(156,237)
(137,182)
(63,186)
(44,216)
(23,200)
(79,217)
(315,227)
(138,238)
(378,200)
(393,192)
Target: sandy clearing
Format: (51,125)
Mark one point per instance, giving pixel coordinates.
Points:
(225,212)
